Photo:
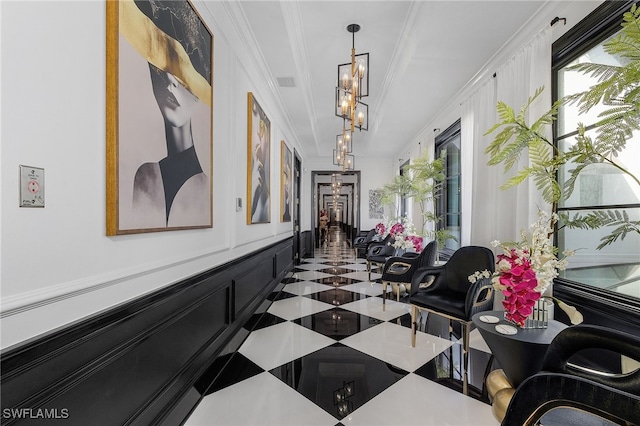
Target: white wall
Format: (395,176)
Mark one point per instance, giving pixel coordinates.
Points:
(57,265)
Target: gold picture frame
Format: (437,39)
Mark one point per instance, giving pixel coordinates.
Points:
(286,182)
(159,117)
(258,163)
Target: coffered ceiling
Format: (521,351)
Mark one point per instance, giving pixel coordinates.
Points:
(421,54)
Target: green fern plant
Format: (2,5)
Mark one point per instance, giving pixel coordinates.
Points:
(426,183)
(618,88)
(393,191)
(422,182)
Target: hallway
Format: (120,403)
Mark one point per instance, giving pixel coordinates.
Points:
(323,352)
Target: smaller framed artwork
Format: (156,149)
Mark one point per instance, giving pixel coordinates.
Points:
(286,182)
(376,209)
(258,163)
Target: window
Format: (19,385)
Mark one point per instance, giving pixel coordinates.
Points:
(404,201)
(447,144)
(616,267)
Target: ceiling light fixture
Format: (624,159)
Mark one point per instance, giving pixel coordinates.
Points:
(353,85)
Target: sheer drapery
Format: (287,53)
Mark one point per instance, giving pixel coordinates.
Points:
(480,182)
(494,213)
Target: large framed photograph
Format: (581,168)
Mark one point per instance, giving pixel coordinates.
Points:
(159,117)
(286,182)
(258,163)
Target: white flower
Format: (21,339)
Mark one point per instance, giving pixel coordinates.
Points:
(503,265)
(574,315)
(495,243)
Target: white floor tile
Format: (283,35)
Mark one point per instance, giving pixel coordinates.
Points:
(273,346)
(362,275)
(313,260)
(363,287)
(477,342)
(392,343)
(297,307)
(259,400)
(417,401)
(311,275)
(306,287)
(312,266)
(372,307)
(356,266)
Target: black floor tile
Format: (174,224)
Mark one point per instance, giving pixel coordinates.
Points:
(338,378)
(237,369)
(335,270)
(337,263)
(337,323)
(290,280)
(337,281)
(280,296)
(336,296)
(256,322)
(446,369)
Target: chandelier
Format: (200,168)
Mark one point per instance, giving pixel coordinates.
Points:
(353,85)
(336,187)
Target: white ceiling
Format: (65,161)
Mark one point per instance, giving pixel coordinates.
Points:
(421,54)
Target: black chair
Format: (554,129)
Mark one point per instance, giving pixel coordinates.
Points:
(567,394)
(361,243)
(398,270)
(452,295)
(378,252)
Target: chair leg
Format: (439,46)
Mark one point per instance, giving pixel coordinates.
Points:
(414,319)
(465,354)
(384,295)
(369,270)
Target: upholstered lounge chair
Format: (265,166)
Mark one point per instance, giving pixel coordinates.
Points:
(361,243)
(378,253)
(566,394)
(398,270)
(452,295)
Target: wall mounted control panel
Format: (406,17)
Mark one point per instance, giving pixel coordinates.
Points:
(31,186)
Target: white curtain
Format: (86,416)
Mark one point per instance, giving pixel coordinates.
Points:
(494,213)
(479,181)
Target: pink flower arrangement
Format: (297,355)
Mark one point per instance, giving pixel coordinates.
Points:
(381,229)
(526,269)
(417,242)
(519,283)
(396,229)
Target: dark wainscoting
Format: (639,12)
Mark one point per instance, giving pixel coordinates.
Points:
(137,363)
(306,244)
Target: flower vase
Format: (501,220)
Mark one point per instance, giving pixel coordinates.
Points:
(539,317)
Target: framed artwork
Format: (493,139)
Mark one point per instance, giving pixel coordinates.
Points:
(258,163)
(376,209)
(159,117)
(286,182)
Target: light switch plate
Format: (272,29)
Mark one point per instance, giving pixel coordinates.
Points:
(31,186)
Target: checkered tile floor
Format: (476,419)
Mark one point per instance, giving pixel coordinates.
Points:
(323,352)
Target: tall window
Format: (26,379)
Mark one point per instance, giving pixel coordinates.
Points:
(448,205)
(599,187)
(404,201)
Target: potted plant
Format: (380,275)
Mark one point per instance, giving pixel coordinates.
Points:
(618,87)
(422,183)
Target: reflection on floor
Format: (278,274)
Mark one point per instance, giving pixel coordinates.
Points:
(323,352)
